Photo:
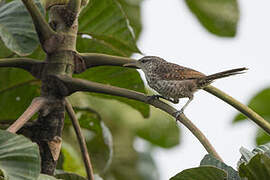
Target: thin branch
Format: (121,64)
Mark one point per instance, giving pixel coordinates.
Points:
(42,27)
(95,59)
(240,107)
(72,85)
(34,107)
(80,137)
(31,65)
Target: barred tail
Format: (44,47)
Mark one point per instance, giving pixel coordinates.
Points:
(208,79)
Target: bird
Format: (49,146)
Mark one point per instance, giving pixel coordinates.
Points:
(173,81)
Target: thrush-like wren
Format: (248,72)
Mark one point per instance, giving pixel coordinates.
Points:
(173,81)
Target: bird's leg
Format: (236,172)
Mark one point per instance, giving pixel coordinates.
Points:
(177,113)
(175,101)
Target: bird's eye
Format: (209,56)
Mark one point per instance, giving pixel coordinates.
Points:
(144,60)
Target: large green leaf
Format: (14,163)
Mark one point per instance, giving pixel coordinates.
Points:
(17,29)
(132,9)
(72,160)
(121,77)
(17,90)
(260,103)
(258,168)
(111,24)
(19,157)
(201,173)
(209,160)
(219,17)
(107,24)
(99,143)
(160,129)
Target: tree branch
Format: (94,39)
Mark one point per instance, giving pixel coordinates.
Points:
(81,139)
(95,59)
(34,107)
(74,6)
(42,27)
(69,85)
(240,107)
(31,65)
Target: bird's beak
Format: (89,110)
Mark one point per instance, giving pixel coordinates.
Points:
(132,65)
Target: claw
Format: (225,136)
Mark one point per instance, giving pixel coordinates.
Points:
(151,98)
(178,113)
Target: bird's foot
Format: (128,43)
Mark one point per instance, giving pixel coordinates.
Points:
(153,97)
(178,113)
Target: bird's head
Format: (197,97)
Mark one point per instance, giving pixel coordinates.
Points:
(147,63)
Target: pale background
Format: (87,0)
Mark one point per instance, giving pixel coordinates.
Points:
(172,32)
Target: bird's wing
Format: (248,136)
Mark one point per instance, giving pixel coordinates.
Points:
(175,72)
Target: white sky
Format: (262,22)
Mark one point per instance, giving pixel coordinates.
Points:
(172,32)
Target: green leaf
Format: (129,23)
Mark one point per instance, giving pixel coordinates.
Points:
(4,51)
(45,177)
(160,129)
(262,137)
(201,173)
(121,77)
(19,157)
(209,160)
(132,9)
(14,83)
(219,17)
(258,168)
(69,176)
(98,140)
(38,54)
(260,103)
(107,24)
(72,156)
(100,148)
(17,29)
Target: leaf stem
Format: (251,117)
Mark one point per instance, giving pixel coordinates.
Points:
(42,27)
(81,139)
(72,85)
(240,107)
(31,65)
(34,107)
(96,59)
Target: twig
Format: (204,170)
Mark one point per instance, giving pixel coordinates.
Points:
(72,85)
(83,147)
(42,27)
(239,106)
(34,107)
(95,59)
